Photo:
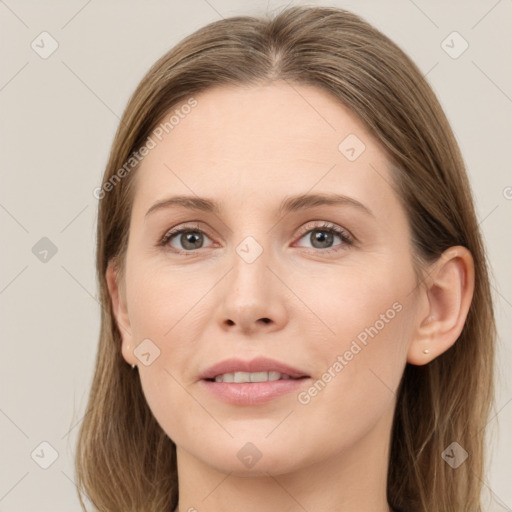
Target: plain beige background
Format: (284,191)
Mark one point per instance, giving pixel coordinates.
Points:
(58,118)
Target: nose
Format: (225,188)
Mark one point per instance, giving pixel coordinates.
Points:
(252,299)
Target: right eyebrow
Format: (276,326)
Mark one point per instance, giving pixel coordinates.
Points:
(190,202)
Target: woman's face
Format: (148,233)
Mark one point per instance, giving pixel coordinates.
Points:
(325,288)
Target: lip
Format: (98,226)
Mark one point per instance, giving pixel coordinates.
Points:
(260,364)
(252,393)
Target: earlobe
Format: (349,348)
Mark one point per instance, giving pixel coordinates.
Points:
(119,308)
(448,291)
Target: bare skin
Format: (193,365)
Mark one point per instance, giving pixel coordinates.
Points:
(247,149)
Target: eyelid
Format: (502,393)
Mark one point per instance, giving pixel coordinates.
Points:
(342,232)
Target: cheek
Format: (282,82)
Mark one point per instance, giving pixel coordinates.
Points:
(362,362)
(355,303)
(164,301)
(165,308)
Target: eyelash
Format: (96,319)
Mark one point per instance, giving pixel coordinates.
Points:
(345,236)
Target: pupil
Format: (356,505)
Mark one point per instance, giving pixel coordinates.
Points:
(188,241)
(322,237)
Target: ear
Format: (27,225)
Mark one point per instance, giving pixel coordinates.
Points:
(446,294)
(116,288)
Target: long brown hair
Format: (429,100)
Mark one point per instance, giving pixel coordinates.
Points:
(124,460)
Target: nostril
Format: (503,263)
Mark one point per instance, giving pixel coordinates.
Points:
(266,320)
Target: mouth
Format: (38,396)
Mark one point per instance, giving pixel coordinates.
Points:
(260,380)
(244,377)
(260,369)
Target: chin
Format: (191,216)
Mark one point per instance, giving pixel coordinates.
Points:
(255,458)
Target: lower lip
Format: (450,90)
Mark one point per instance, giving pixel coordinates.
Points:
(253,393)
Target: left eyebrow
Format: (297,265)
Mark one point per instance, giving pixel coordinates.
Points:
(289,204)
(305,201)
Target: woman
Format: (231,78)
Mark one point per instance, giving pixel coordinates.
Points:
(296,302)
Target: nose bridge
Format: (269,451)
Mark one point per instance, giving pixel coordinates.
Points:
(251,296)
(250,273)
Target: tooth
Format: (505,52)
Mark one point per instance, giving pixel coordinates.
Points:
(259,376)
(242,377)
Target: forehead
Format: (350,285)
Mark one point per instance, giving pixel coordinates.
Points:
(248,143)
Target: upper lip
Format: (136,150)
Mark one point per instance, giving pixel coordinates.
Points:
(260,364)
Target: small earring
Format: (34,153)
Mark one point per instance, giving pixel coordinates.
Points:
(134,366)
(426,351)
